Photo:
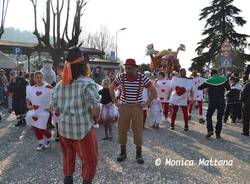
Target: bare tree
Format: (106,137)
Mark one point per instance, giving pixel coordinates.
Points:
(4,8)
(101,40)
(60,40)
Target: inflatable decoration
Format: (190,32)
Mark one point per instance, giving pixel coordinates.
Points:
(165,60)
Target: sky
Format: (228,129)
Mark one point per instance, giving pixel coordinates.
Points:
(164,23)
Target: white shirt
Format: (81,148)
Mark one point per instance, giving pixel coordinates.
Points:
(181,88)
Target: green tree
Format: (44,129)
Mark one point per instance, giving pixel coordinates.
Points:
(143,67)
(221,18)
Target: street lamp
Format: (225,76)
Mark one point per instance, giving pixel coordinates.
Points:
(116,41)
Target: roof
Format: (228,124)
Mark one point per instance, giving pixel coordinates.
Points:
(26,48)
(92,51)
(9,46)
(104,63)
(6,61)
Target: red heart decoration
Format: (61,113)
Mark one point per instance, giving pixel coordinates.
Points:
(38,93)
(161,98)
(163,90)
(180,90)
(57,114)
(35,107)
(49,86)
(35,118)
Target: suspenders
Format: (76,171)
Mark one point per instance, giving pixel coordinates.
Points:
(138,77)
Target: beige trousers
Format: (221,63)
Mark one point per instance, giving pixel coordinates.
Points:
(130,114)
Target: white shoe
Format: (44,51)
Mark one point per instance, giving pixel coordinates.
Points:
(48,145)
(40,147)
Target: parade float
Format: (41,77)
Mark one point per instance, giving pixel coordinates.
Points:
(164,60)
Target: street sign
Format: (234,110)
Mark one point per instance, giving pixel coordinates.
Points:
(226,61)
(17,51)
(112,55)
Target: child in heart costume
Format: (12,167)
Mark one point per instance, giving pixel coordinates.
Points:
(162,86)
(180,92)
(197,96)
(38,102)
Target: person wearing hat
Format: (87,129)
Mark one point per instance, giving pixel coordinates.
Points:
(131,106)
(217,85)
(76,98)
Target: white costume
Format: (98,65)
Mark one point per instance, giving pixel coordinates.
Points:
(49,74)
(145,97)
(155,111)
(197,94)
(163,89)
(40,97)
(181,88)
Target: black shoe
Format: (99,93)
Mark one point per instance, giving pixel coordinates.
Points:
(105,138)
(218,136)
(153,126)
(186,129)
(172,126)
(201,120)
(123,154)
(23,122)
(157,126)
(68,180)
(86,181)
(121,157)
(57,138)
(138,157)
(209,134)
(245,134)
(19,123)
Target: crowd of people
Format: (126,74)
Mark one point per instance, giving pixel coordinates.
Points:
(74,103)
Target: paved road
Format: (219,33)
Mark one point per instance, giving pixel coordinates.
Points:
(184,157)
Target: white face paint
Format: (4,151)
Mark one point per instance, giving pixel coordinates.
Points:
(49,74)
